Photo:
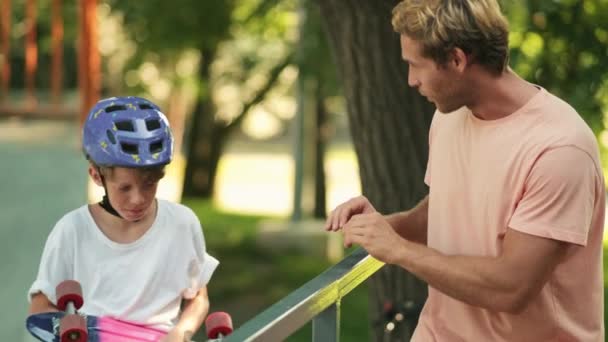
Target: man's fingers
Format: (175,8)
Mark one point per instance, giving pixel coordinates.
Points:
(352,239)
(345,212)
(332,220)
(346,215)
(329,221)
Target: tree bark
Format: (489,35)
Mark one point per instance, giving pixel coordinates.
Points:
(389,125)
(205,140)
(319,211)
(207,135)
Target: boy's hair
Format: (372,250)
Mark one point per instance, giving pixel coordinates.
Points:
(148,174)
(478,27)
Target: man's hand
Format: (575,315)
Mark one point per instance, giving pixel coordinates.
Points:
(343,213)
(375,235)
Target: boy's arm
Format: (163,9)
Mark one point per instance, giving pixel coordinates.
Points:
(192,317)
(40,303)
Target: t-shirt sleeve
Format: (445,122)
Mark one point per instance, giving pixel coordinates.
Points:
(559,196)
(202,267)
(432,129)
(55,263)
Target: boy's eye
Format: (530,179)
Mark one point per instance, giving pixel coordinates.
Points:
(124,188)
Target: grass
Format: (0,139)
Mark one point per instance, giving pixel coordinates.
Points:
(249,278)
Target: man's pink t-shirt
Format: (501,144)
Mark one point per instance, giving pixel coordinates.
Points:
(536,171)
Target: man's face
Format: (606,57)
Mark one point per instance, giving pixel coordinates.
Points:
(439,84)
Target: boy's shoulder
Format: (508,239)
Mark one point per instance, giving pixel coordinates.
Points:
(68,224)
(178,211)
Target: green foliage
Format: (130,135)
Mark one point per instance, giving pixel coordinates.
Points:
(171,26)
(315,59)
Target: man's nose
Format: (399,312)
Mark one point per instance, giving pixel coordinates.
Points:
(412,81)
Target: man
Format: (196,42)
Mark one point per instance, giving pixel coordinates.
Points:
(509,238)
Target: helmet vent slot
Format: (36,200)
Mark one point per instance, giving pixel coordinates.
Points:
(115,108)
(152,124)
(125,126)
(156,146)
(145,106)
(129,148)
(111,136)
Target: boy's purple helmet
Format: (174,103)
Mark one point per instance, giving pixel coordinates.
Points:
(127,132)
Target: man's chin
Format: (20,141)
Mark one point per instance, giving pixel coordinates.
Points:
(446,109)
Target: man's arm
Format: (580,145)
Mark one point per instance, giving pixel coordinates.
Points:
(504,283)
(412,224)
(192,317)
(40,303)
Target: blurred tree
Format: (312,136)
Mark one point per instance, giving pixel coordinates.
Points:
(317,81)
(167,29)
(389,124)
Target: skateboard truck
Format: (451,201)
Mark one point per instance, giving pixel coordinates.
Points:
(218,325)
(72,327)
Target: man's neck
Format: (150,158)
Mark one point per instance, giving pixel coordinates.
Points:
(498,97)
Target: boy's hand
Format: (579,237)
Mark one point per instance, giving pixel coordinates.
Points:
(342,214)
(176,335)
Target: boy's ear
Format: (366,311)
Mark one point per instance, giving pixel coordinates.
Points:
(94,173)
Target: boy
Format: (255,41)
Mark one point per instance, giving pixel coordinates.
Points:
(135,256)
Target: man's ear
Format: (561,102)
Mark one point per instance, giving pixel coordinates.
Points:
(460,60)
(95,176)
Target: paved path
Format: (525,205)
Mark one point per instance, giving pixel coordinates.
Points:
(42,176)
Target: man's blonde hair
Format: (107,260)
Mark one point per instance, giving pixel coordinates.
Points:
(478,27)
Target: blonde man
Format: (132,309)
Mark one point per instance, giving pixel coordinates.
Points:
(509,238)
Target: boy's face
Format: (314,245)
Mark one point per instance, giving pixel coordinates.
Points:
(129,191)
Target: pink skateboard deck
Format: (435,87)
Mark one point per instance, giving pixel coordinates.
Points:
(45,327)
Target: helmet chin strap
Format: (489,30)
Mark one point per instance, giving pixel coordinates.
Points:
(105,202)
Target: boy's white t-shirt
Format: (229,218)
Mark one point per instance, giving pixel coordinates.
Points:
(143,281)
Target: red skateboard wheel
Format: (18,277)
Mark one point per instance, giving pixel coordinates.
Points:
(218,323)
(73,328)
(68,291)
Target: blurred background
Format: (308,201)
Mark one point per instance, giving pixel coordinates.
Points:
(281,110)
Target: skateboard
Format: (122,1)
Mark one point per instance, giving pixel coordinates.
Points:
(68,325)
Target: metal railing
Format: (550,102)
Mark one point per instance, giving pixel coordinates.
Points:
(318,300)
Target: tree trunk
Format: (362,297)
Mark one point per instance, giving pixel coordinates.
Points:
(389,125)
(320,144)
(205,140)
